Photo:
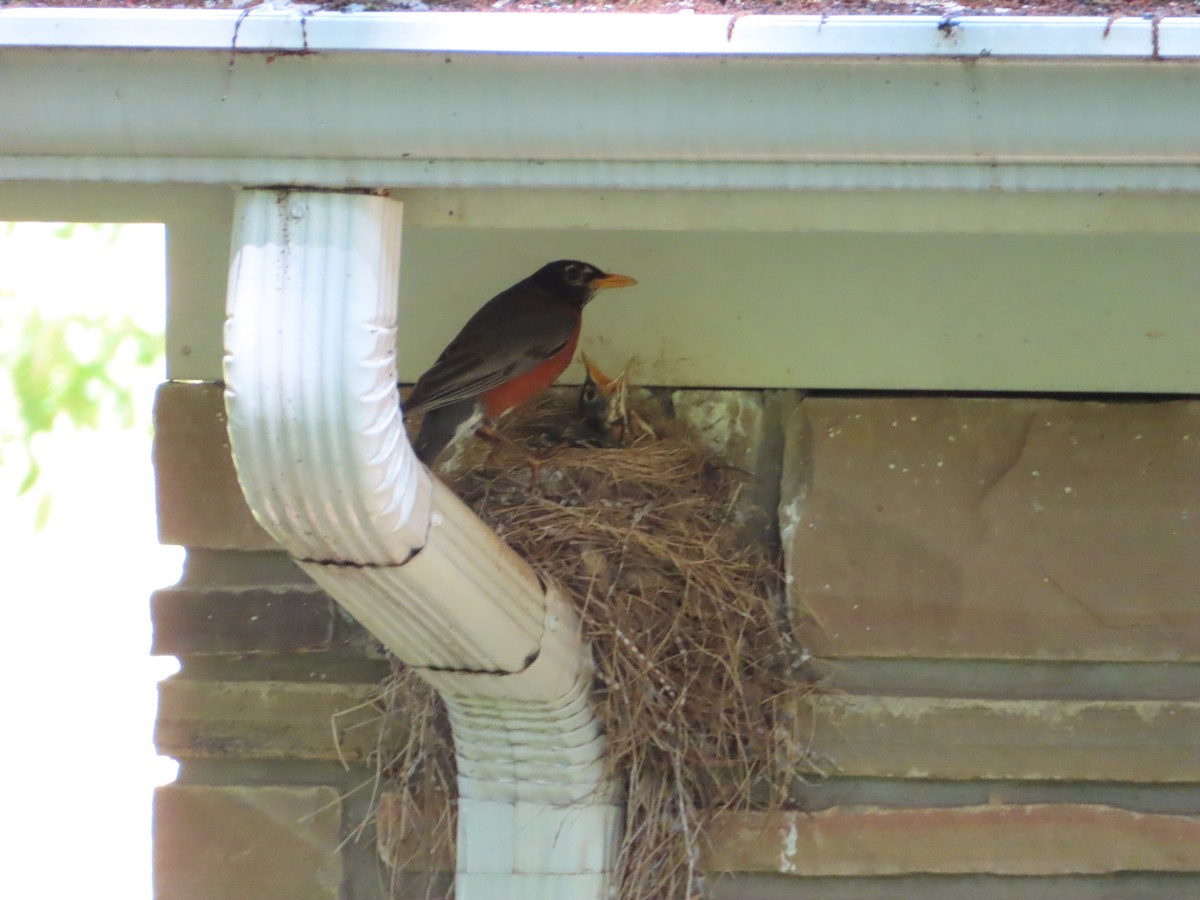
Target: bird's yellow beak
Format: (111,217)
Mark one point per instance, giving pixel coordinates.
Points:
(611,281)
(602,380)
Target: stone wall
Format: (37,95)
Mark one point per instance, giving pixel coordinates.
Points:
(1003,595)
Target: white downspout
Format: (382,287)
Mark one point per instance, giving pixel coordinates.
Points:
(323,459)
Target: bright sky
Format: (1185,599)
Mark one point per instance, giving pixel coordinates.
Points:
(77,679)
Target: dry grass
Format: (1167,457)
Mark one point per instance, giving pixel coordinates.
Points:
(697,675)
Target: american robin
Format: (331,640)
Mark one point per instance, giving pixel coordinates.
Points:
(513,348)
(604,406)
(603,402)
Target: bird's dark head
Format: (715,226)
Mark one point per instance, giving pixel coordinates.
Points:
(577,282)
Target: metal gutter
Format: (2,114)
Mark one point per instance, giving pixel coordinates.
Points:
(318,439)
(770,103)
(572,175)
(294,30)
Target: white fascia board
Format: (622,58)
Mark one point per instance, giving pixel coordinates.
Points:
(298,30)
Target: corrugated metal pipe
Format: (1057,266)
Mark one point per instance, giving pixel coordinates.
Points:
(322,456)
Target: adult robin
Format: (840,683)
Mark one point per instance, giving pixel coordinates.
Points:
(512,349)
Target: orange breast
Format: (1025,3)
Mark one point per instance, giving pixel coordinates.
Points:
(523,388)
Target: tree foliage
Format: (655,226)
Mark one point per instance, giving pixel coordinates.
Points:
(67,365)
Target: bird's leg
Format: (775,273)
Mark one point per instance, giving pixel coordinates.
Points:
(535,472)
(487,431)
(493,435)
(490,433)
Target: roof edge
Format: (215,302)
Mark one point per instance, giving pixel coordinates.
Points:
(299,31)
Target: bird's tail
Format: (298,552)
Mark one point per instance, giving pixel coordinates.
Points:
(443,426)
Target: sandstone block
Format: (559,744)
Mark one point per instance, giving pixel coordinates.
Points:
(1003,528)
(191,621)
(200,503)
(270,843)
(1032,740)
(1046,839)
(266,720)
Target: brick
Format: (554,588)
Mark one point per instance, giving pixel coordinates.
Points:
(200,503)
(265,720)
(950,738)
(191,621)
(1127,886)
(1181,798)
(1028,840)
(1006,680)
(261,842)
(1014,528)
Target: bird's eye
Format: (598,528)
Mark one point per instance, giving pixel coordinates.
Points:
(572,274)
(589,392)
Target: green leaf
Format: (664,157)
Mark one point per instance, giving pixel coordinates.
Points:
(42,516)
(31,477)
(75,365)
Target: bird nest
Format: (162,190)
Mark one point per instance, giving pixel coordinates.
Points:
(697,678)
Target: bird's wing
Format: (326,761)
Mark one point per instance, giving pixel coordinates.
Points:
(507,337)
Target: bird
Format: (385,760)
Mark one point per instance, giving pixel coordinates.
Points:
(604,402)
(512,349)
(605,409)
